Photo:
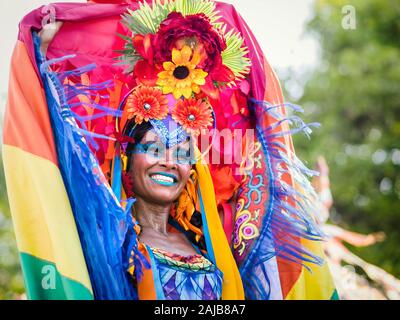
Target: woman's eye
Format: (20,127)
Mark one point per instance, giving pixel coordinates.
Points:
(183,156)
(154,150)
(151,149)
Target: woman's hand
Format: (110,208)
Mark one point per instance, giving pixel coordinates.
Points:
(47,34)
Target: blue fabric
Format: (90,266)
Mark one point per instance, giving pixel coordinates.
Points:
(101,221)
(210,249)
(289,210)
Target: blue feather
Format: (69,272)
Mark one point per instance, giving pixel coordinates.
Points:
(102,223)
(289,211)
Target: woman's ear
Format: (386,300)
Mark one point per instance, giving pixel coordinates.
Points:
(127,183)
(193,175)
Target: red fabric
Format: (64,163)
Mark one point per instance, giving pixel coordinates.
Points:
(228,221)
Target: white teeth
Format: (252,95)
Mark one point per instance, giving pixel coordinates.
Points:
(162,178)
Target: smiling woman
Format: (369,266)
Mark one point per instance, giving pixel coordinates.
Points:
(157,183)
(160,175)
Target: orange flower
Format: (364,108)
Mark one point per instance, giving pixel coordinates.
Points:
(146,103)
(193,115)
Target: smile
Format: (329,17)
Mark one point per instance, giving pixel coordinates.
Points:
(164,179)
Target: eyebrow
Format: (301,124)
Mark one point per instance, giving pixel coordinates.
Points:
(149,142)
(186,146)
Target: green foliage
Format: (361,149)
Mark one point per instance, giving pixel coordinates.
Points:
(148,18)
(354,93)
(190,7)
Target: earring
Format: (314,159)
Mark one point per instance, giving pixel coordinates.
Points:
(127,182)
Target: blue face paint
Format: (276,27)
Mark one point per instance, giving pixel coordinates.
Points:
(164,183)
(159,151)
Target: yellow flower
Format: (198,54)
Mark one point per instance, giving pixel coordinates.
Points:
(180,77)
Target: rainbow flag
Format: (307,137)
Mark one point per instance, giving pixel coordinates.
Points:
(50,250)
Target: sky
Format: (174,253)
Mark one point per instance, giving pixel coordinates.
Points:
(277,24)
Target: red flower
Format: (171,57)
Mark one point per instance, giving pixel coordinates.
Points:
(145,70)
(127,182)
(176,32)
(193,115)
(193,30)
(146,103)
(146,73)
(144,46)
(220,72)
(123,139)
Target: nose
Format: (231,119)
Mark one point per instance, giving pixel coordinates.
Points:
(168,160)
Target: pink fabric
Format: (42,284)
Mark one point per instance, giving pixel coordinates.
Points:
(67,12)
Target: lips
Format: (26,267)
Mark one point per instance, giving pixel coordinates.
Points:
(164,178)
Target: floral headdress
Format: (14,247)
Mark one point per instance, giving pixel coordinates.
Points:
(180,57)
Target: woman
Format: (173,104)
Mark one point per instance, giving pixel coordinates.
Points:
(161,165)
(158,177)
(192,63)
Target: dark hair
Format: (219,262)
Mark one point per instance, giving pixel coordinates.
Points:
(137,133)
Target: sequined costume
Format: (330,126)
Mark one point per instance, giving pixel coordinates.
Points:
(185,278)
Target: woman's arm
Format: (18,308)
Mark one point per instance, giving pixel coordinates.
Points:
(47,34)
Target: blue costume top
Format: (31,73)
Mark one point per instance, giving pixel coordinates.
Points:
(180,277)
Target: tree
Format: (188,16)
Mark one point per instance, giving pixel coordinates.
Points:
(354,93)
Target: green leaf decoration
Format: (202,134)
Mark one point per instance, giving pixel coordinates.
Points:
(128,56)
(234,56)
(147,18)
(191,7)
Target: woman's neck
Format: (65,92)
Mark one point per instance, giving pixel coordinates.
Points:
(152,216)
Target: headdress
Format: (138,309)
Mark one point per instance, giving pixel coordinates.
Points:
(174,120)
(180,57)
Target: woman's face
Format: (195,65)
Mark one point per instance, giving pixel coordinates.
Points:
(159,174)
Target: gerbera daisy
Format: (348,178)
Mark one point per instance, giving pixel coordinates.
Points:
(193,115)
(146,103)
(180,76)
